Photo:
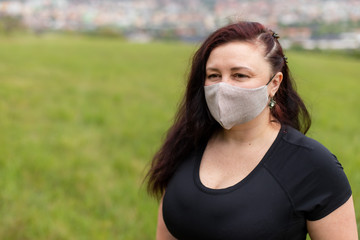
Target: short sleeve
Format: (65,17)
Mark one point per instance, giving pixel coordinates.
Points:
(323,187)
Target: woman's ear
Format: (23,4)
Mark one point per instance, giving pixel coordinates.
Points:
(275,83)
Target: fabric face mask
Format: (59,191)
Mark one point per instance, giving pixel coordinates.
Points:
(231,105)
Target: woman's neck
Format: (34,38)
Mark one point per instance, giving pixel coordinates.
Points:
(257,130)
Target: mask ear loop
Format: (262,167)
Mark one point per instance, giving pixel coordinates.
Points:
(271,79)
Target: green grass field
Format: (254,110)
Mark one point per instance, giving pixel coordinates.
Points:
(80,119)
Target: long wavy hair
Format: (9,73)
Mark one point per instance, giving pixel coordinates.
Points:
(193,125)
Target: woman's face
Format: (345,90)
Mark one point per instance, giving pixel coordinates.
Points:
(238,63)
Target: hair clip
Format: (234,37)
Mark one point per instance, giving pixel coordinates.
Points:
(285,59)
(275,35)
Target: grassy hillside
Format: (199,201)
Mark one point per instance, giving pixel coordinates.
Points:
(80,119)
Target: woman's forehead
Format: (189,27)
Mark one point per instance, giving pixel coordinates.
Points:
(246,54)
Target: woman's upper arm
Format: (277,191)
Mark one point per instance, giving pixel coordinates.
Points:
(162,233)
(338,225)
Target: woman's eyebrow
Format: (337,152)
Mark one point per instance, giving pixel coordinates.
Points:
(232,69)
(212,69)
(241,68)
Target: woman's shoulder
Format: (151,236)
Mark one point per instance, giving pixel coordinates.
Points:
(299,160)
(305,149)
(295,137)
(308,171)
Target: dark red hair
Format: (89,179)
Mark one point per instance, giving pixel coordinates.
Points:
(194,125)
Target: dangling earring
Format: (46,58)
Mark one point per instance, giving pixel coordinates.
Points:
(272,102)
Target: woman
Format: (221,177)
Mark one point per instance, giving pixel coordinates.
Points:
(235,164)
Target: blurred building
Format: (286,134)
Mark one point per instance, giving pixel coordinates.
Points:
(307,23)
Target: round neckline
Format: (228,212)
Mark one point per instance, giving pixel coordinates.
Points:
(237,185)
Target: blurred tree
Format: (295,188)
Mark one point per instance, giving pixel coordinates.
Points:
(10,24)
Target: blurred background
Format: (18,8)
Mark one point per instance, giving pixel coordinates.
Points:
(322,24)
(88,89)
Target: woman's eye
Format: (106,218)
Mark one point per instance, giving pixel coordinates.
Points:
(239,75)
(213,76)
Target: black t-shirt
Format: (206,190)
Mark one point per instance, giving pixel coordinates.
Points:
(297,180)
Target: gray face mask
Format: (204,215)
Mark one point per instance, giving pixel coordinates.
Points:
(231,105)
